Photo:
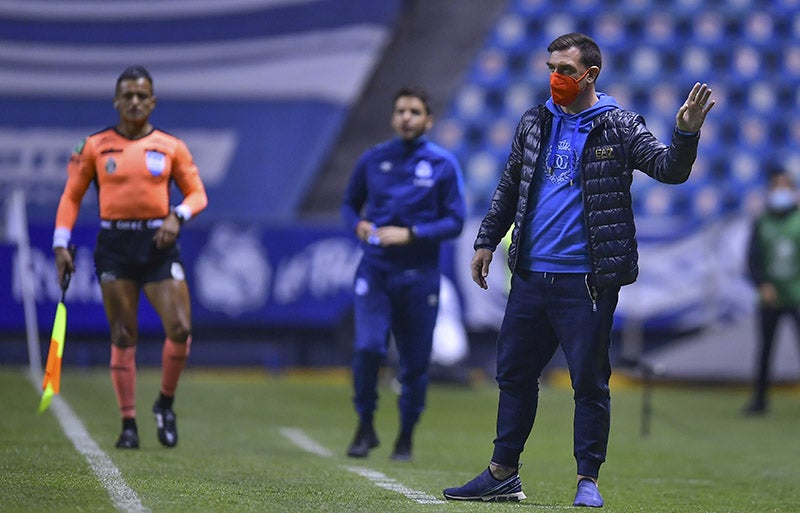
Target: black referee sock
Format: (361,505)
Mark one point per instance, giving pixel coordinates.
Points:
(165,402)
(129,423)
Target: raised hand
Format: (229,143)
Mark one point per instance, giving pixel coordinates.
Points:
(693,112)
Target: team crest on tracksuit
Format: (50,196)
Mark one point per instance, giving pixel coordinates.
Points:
(361,287)
(155,162)
(423,174)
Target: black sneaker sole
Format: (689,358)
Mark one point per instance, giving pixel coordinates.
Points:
(508,497)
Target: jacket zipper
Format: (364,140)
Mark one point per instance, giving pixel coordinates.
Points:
(592,292)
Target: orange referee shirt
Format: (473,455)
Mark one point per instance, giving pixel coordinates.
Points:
(132,177)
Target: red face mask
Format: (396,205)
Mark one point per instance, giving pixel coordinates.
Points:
(564,88)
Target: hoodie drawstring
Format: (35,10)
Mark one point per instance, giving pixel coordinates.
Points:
(551,161)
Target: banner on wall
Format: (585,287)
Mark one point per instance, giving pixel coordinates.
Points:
(247,275)
(239,276)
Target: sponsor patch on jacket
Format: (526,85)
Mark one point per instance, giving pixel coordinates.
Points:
(155,162)
(604,153)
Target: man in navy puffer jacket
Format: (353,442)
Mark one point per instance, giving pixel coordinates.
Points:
(566,189)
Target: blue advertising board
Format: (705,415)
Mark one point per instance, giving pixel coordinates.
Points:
(239,275)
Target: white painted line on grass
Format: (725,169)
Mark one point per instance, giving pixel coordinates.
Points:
(304,442)
(124,499)
(383,481)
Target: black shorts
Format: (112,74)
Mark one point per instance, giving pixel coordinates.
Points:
(131,254)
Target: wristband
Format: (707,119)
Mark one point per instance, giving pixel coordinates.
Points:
(182,212)
(61,237)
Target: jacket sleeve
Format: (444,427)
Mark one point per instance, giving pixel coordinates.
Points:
(503,206)
(355,195)
(668,164)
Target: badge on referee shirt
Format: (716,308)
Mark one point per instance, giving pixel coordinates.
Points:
(155,162)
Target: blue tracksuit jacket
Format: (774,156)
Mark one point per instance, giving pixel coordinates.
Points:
(416,184)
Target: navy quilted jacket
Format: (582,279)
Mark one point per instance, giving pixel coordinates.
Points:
(617,144)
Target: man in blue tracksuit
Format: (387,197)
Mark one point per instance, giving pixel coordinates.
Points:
(566,189)
(404,198)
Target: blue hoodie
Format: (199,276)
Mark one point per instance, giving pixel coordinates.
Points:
(554,237)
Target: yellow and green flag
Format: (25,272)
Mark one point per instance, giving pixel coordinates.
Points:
(52,374)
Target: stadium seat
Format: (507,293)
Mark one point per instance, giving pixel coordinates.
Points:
(660,30)
(511,32)
(706,202)
(449,132)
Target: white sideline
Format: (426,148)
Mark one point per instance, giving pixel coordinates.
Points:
(123,497)
(383,481)
(301,440)
(304,442)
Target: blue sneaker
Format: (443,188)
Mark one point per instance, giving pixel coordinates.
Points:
(588,495)
(486,488)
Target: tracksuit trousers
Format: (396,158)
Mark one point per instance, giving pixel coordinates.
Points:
(403,302)
(545,310)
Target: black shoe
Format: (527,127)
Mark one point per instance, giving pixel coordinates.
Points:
(755,408)
(402,449)
(364,440)
(167,430)
(128,439)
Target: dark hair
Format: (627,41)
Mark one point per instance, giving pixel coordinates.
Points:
(414,92)
(590,52)
(134,73)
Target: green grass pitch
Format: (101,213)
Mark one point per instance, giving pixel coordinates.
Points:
(234,455)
